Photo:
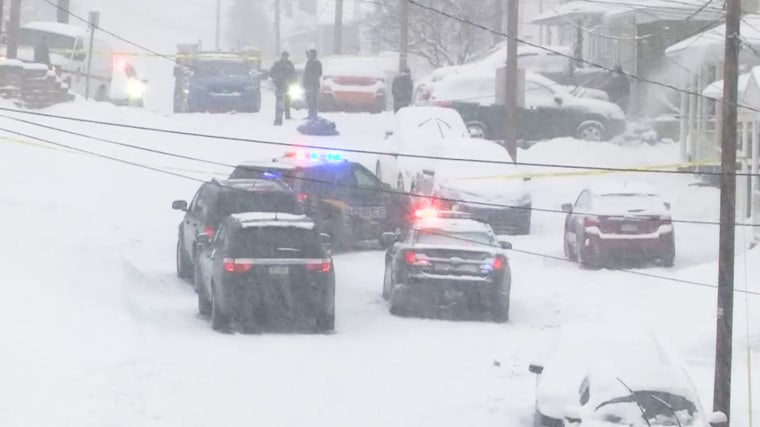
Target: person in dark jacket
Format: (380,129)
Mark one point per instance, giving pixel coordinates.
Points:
(283,74)
(311,76)
(618,87)
(42,52)
(402,89)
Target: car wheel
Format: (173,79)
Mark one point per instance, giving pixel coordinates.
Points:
(388,282)
(204,304)
(590,130)
(501,308)
(669,260)
(326,319)
(184,266)
(400,182)
(220,322)
(477,130)
(590,257)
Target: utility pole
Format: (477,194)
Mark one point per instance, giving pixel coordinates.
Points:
(14,22)
(277,41)
(62,11)
(725,312)
(2,12)
(498,19)
(218,24)
(338,31)
(94,21)
(403,57)
(510,101)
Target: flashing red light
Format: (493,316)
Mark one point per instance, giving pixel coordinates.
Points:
(119,62)
(410,258)
(322,267)
(209,231)
(302,197)
(236,266)
(426,213)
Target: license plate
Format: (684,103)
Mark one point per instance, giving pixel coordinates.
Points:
(370,212)
(278,269)
(629,227)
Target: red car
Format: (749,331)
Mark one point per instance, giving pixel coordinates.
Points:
(619,222)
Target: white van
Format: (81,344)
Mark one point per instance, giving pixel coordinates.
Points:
(69,45)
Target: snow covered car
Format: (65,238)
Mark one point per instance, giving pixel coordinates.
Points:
(619,220)
(127,88)
(266,270)
(429,131)
(497,194)
(353,84)
(448,265)
(550,110)
(611,374)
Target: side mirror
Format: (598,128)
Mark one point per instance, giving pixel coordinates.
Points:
(567,207)
(202,240)
(505,244)
(535,369)
(572,415)
(179,205)
(717,419)
(558,100)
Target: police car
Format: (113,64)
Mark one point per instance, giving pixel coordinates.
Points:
(448,265)
(344,198)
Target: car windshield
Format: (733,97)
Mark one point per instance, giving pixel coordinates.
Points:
(208,68)
(660,408)
(627,202)
(31,37)
(237,201)
(454,238)
(278,242)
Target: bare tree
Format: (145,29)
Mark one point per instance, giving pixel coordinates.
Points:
(439,39)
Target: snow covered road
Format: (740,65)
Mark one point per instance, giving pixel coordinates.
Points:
(98,331)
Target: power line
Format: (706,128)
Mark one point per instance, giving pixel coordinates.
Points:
(371,152)
(319,181)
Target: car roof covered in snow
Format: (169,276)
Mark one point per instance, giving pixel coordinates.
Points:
(272,219)
(452,225)
(274,164)
(254,184)
(57,28)
(622,187)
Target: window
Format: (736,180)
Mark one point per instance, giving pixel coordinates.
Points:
(278,242)
(221,68)
(30,37)
(584,201)
(219,237)
(364,179)
(195,208)
(444,237)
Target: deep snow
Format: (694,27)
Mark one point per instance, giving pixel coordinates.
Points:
(98,330)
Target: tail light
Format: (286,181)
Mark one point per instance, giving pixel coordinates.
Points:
(209,231)
(231,265)
(591,221)
(497,263)
(412,258)
(302,197)
(321,267)
(665,220)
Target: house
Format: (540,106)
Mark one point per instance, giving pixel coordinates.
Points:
(700,108)
(633,35)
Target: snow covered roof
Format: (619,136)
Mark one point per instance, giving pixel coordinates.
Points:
(643,10)
(58,28)
(271,219)
(622,187)
(710,43)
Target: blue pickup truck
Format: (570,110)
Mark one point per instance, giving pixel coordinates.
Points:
(216,82)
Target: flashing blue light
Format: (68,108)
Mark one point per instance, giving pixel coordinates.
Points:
(334,157)
(314,156)
(270,175)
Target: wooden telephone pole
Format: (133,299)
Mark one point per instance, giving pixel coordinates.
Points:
(14,22)
(403,57)
(510,102)
(338,34)
(725,312)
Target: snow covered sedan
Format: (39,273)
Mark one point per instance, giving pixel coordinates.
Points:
(424,132)
(448,265)
(613,374)
(266,270)
(623,221)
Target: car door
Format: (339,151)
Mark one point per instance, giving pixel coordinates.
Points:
(574,221)
(542,115)
(191,223)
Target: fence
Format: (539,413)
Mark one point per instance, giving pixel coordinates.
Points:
(31,85)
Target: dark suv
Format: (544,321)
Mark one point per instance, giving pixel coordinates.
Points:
(216,200)
(266,270)
(344,198)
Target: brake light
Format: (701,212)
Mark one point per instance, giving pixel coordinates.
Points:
(302,197)
(494,264)
(209,231)
(411,258)
(498,263)
(231,265)
(591,221)
(426,213)
(321,267)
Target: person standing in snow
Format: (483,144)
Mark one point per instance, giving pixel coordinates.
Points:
(283,73)
(618,87)
(402,89)
(42,52)
(311,76)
